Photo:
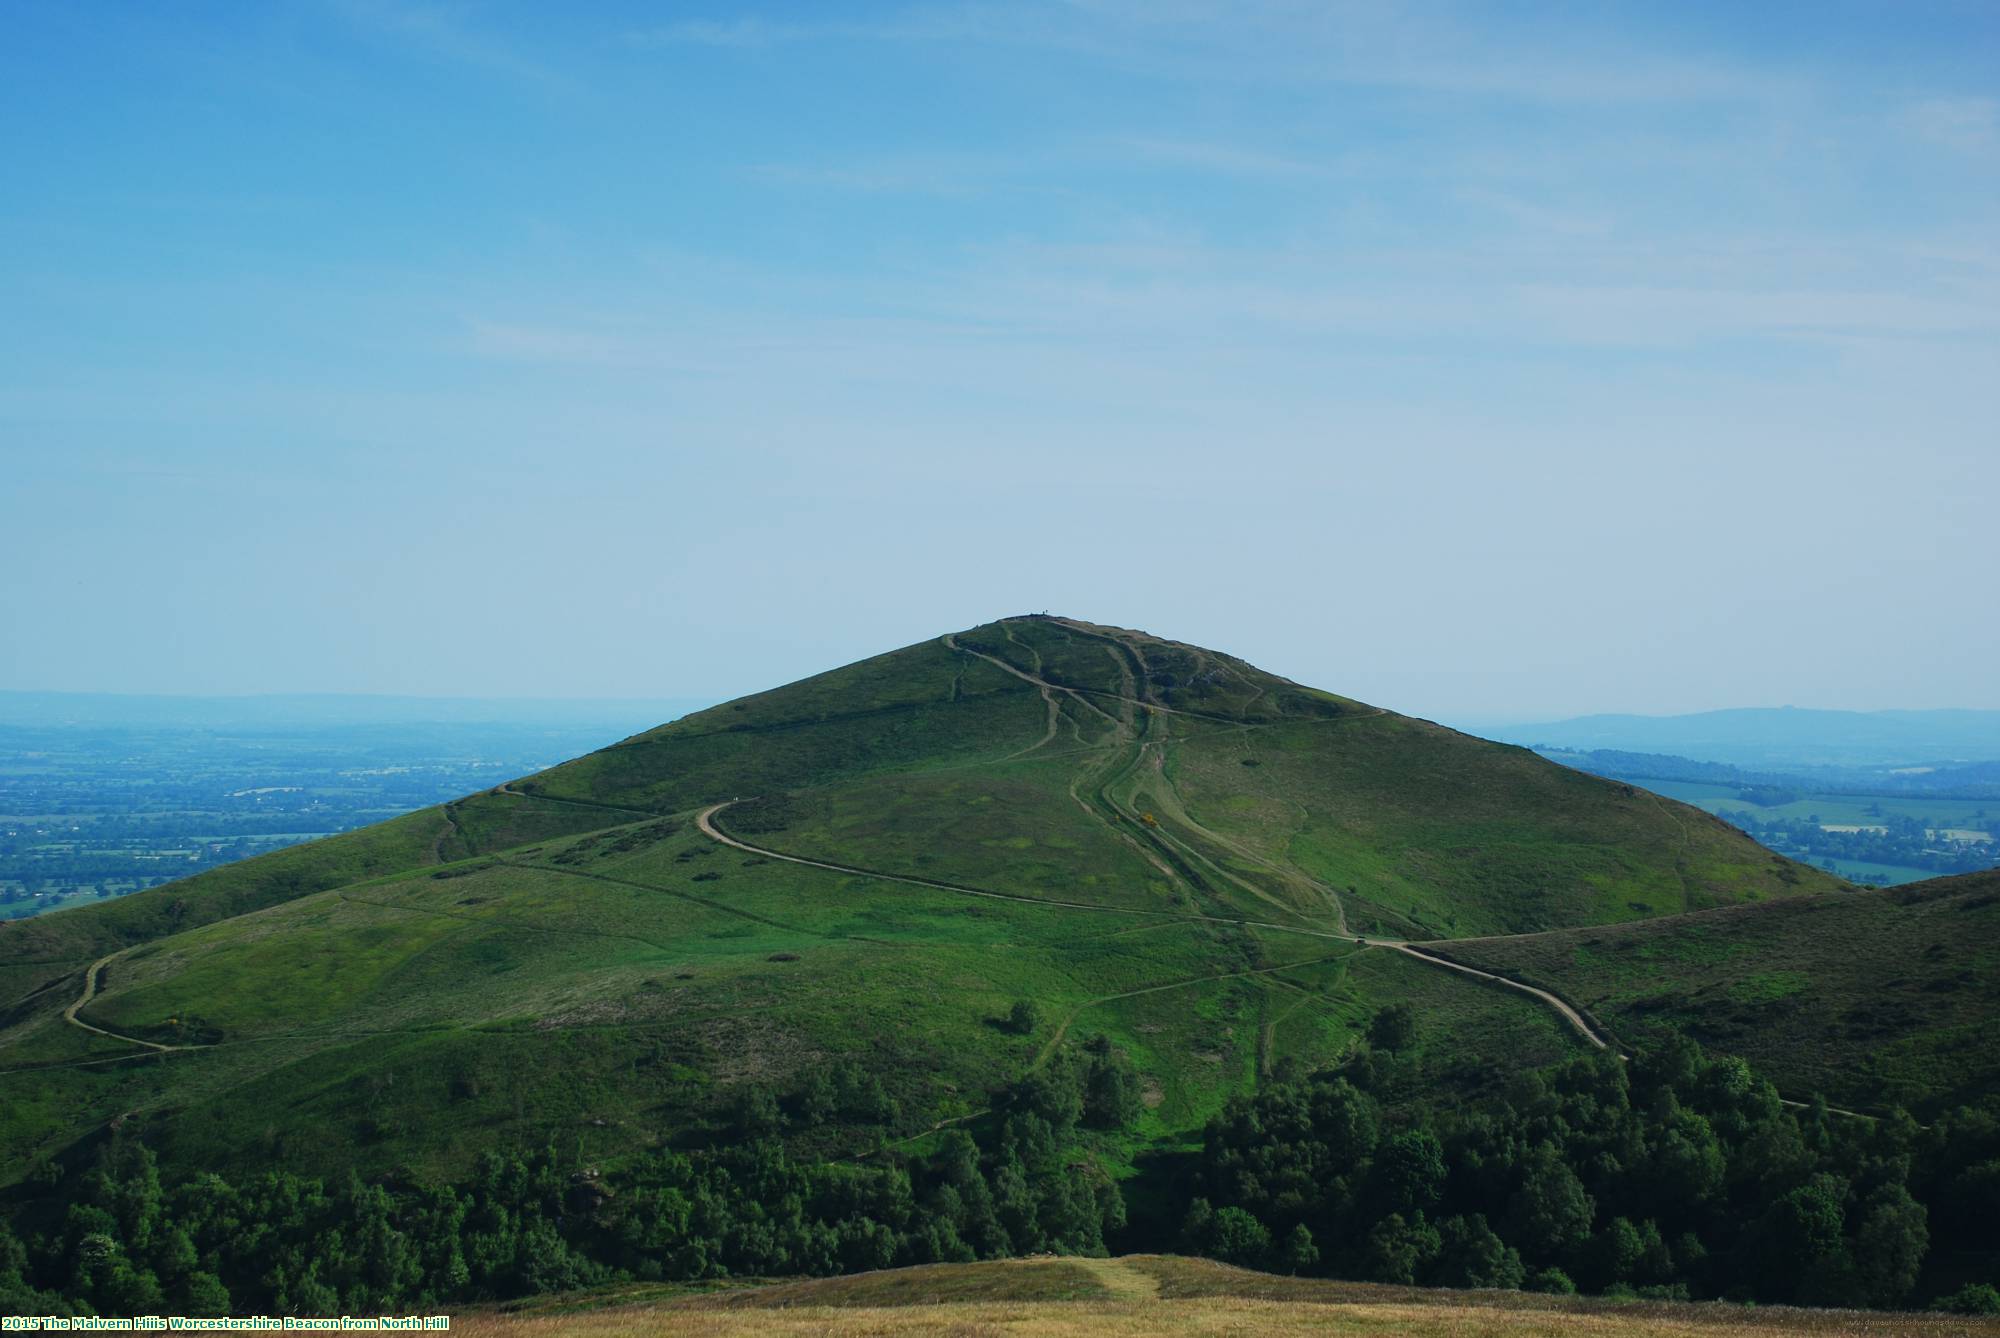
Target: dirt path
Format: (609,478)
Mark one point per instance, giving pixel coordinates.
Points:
(1138,692)
(1569,1014)
(1125,733)
(512,793)
(1048,735)
(1576,1019)
(1116,779)
(90,992)
(705,821)
(951,642)
(1084,695)
(1267,1038)
(1008,632)
(1128,732)
(1174,807)
(451,829)
(1062,1028)
(1120,1279)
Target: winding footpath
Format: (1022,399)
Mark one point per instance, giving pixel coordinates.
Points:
(706,822)
(1568,1013)
(1562,1007)
(90,992)
(1127,731)
(1124,733)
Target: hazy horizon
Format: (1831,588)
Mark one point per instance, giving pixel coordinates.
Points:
(1484,365)
(17,707)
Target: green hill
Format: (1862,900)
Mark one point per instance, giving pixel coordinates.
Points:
(1149,841)
(1037,937)
(1870,998)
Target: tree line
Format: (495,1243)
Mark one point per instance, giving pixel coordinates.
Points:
(1675,1176)
(1678,1175)
(121,1242)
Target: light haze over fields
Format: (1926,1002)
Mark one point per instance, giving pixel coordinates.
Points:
(1481,362)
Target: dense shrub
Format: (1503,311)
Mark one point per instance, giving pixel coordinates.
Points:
(1674,1176)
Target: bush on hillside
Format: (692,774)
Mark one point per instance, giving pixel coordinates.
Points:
(1023,1017)
(1975,1298)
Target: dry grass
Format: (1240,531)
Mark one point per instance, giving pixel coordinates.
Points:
(1213,1315)
(1056,1298)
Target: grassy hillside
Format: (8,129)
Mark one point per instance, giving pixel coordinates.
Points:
(35,952)
(1870,998)
(1042,753)
(1151,842)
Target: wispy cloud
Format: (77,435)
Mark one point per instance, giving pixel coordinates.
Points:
(968,174)
(1162,316)
(1535,216)
(1966,124)
(1222,158)
(1442,50)
(444,31)
(944,175)
(539,342)
(741,33)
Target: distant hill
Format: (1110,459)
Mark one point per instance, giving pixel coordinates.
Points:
(1962,780)
(1781,738)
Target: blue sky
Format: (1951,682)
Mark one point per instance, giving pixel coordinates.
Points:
(1486,361)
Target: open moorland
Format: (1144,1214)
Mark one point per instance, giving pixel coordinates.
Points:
(1039,936)
(1154,1294)
(1163,845)
(1872,999)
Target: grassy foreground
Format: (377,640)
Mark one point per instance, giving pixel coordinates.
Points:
(1156,1294)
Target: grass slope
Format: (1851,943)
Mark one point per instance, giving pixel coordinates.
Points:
(34,952)
(1869,998)
(1178,850)
(1158,1294)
